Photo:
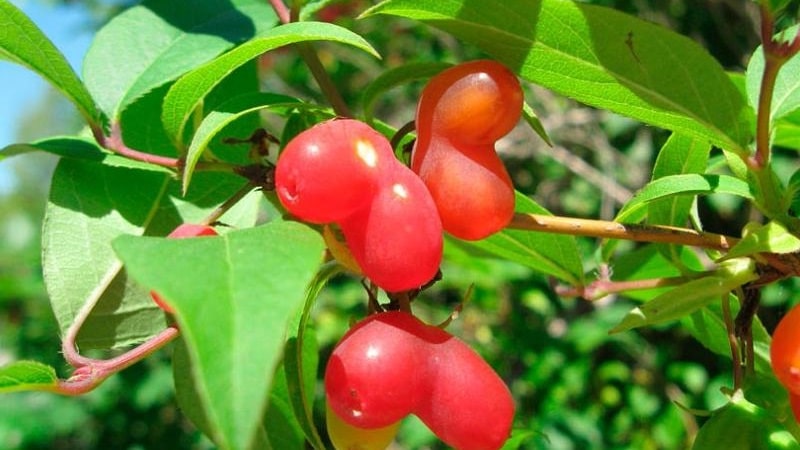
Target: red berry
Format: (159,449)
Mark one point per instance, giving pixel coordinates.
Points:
(374,376)
(391,365)
(470,187)
(461,113)
(477,102)
(184,230)
(397,239)
(785,350)
(794,401)
(331,170)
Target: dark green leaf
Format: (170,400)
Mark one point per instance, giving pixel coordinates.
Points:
(600,57)
(154,43)
(549,253)
(27,375)
(188,92)
(235,320)
(90,204)
(22,42)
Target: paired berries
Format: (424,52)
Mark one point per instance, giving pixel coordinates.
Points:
(184,230)
(342,171)
(463,111)
(391,365)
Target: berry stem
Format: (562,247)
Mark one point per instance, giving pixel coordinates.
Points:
(736,355)
(229,203)
(598,289)
(614,230)
(314,64)
(114,143)
(90,374)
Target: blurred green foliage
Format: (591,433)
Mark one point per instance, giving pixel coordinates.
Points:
(576,386)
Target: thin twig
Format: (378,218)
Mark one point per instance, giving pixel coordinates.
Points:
(310,57)
(601,288)
(615,230)
(115,144)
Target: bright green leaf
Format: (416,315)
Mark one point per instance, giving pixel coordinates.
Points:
(786,97)
(22,42)
(548,253)
(187,93)
(689,297)
(27,375)
(688,184)
(225,114)
(154,43)
(89,205)
(787,131)
(235,320)
(600,57)
(768,238)
(679,155)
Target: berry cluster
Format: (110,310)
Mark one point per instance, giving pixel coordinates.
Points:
(342,171)
(391,365)
(785,356)
(184,230)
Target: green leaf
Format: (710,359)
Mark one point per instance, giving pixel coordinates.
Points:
(687,184)
(600,57)
(27,375)
(302,358)
(188,92)
(235,320)
(90,204)
(689,297)
(741,425)
(768,238)
(787,131)
(154,43)
(397,76)
(679,155)
(22,42)
(549,253)
(78,148)
(225,114)
(786,97)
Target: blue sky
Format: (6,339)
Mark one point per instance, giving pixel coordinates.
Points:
(19,87)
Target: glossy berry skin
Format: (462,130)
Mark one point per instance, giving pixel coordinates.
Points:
(347,437)
(391,365)
(184,230)
(331,170)
(785,350)
(374,375)
(461,113)
(397,239)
